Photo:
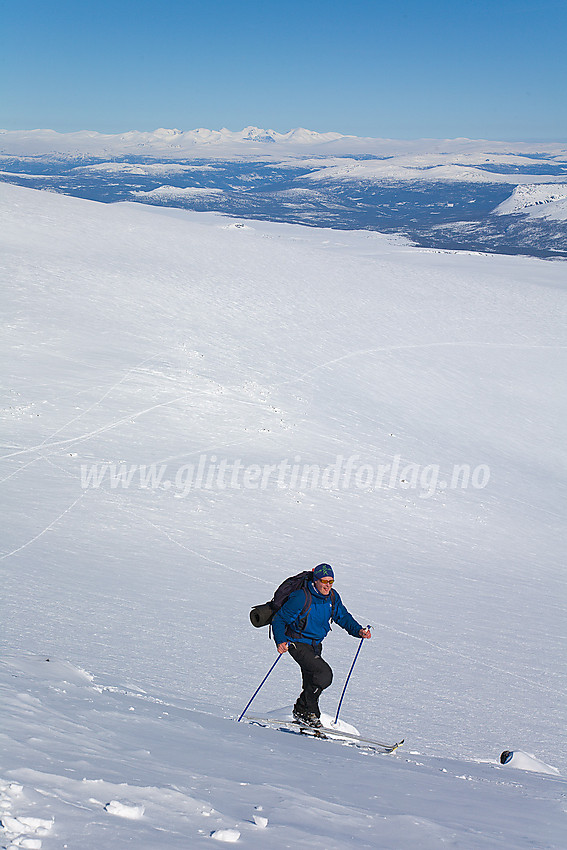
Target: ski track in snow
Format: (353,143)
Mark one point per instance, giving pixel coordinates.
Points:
(200,554)
(472,660)
(135,415)
(390,348)
(99,401)
(72,441)
(47,528)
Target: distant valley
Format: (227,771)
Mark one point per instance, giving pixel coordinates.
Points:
(440,195)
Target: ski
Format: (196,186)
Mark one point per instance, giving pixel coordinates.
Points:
(324,733)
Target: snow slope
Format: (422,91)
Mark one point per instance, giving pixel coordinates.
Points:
(89,764)
(139,339)
(540,201)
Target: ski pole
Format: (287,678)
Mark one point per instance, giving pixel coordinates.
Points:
(349,675)
(258,688)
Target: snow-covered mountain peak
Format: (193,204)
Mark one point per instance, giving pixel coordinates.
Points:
(166,133)
(257,134)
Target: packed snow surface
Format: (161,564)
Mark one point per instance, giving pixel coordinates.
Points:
(195,408)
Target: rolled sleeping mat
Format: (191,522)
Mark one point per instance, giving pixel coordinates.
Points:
(261,615)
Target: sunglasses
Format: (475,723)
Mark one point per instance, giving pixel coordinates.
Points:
(327,581)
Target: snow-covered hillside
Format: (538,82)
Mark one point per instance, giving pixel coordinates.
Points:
(89,764)
(540,201)
(195,407)
(435,166)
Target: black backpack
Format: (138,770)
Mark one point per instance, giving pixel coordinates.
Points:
(262,615)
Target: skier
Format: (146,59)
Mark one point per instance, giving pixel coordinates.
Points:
(300,626)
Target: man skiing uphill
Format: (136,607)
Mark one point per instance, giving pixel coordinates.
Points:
(300,626)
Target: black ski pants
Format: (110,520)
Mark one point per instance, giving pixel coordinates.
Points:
(315,672)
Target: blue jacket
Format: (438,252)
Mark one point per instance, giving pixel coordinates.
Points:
(318,617)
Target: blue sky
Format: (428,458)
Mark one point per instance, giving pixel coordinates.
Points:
(407,69)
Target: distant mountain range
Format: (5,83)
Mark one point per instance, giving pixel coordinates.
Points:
(161,141)
(252,141)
